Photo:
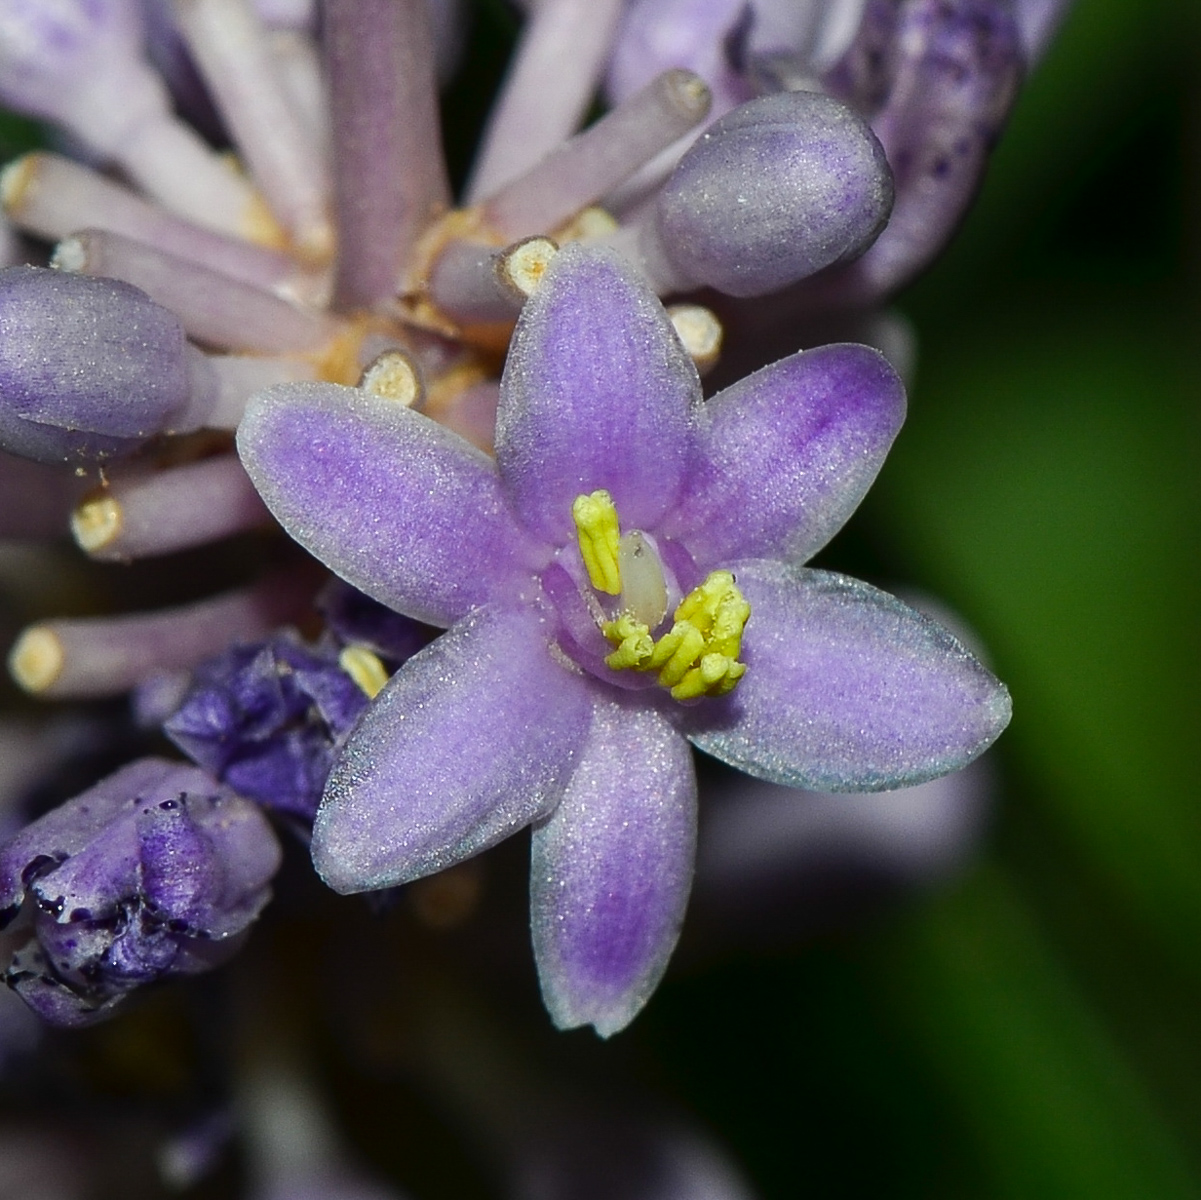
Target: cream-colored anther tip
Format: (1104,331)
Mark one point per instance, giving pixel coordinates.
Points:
(523,264)
(70,256)
(15,180)
(96,523)
(393,376)
(36,661)
(700,331)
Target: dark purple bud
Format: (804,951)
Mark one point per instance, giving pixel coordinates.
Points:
(773,192)
(355,617)
(89,368)
(266,719)
(155,871)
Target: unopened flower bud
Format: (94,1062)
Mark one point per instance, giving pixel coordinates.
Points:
(773,192)
(89,368)
(155,871)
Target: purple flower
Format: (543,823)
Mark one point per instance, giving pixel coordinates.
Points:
(579,662)
(155,871)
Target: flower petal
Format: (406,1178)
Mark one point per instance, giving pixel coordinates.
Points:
(611,870)
(393,503)
(847,689)
(473,738)
(597,393)
(791,450)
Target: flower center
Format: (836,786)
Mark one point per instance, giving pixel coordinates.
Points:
(698,656)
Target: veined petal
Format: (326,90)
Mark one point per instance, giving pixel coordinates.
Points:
(474,737)
(403,509)
(597,393)
(847,689)
(788,454)
(611,870)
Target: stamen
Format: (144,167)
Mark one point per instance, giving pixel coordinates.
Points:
(238,376)
(365,668)
(633,641)
(698,655)
(599,535)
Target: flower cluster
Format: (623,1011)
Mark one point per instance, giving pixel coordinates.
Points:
(482,419)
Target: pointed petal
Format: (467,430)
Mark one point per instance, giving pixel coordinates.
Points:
(473,738)
(847,689)
(393,503)
(611,870)
(597,393)
(790,450)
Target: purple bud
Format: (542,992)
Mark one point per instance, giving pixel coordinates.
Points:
(355,617)
(267,718)
(90,368)
(155,871)
(773,192)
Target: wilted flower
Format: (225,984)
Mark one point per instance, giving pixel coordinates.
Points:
(155,871)
(562,694)
(266,718)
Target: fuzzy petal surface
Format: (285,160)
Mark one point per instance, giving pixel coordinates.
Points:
(847,689)
(789,453)
(611,870)
(597,393)
(474,737)
(395,504)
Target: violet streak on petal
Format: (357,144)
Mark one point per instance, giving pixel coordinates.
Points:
(847,689)
(597,392)
(611,870)
(471,741)
(789,452)
(395,504)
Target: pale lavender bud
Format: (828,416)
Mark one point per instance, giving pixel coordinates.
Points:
(89,368)
(772,193)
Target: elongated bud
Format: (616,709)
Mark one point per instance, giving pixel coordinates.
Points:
(773,192)
(89,368)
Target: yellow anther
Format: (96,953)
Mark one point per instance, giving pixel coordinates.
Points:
(677,651)
(698,656)
(719,610)
(365,668)
(599,535)
(633,641)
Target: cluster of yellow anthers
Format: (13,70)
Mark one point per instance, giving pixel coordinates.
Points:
(698,656)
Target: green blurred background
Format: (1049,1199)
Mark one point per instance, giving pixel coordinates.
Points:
(1035,1028)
